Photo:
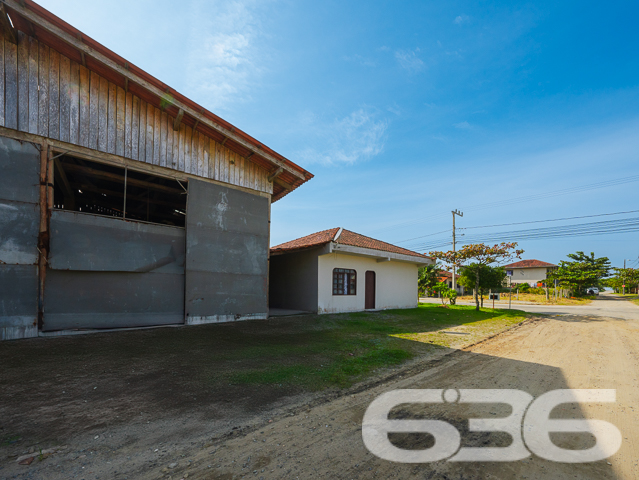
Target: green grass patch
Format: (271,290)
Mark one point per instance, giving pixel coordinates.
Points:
(252,359)
(341,349)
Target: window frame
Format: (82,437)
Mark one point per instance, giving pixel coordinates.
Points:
(344,277)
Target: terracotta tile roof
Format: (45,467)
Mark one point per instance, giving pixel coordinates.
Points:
(312,240)
(355,239)
(346,238)
(529,264)
(448,275)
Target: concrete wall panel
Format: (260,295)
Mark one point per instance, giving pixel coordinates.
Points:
(19,227)
(85,242)
(18,301)
(213,294)
(75,299)
(19,171)
(226,253)
(243,254)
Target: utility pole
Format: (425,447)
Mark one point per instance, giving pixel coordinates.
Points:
(455,212)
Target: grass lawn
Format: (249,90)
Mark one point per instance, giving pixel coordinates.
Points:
(534,298)
(216,370)
(337,350)
(632,297)
(251,361)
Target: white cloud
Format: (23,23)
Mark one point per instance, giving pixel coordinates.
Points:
(463,125)
(364,62)
(461,19)
(356,137)
(223,62)
(409,60)
(394,108)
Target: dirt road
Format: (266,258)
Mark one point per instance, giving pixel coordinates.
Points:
(586,351)
(321,438)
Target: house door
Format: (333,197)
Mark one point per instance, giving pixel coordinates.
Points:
(369,300)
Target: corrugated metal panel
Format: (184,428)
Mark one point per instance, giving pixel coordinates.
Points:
(19,171)
(102,108)
(19,226)
(112,299)
(81,241)
(227,252)
(18,301)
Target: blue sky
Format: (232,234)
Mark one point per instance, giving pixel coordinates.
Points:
(407,110)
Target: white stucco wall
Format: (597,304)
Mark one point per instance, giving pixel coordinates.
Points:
(528,275)
(395,285)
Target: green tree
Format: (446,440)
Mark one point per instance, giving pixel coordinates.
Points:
(583,272)
(623,276)
(481,254)
(490,278)
(445,293)
(429,277)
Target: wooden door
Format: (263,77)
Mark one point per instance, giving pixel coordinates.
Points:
(369,299)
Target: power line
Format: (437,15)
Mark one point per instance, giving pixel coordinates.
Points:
(550,220)
(522,223)
(424,236)
(607,232)
(588,228)
(527,198)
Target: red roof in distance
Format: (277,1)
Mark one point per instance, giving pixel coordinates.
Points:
(346,237)
(529,264)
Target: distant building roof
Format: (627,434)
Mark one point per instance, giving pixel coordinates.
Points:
(345,237)
(447,275)
(529,264)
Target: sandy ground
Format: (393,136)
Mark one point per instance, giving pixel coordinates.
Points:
(594,346)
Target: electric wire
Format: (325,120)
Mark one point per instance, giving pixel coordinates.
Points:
(580,229)
(526,198)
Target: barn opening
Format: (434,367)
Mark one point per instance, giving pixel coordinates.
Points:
(96,188)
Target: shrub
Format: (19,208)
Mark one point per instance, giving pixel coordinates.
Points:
(523,287)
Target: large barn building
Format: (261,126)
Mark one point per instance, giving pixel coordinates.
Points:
(122,202)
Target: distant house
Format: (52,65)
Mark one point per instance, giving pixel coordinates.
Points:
(531,272)
(338,270)
(447,278)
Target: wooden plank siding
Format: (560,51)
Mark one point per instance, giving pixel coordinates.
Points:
(45,93)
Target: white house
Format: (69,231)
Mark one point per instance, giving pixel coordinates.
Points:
(338,270)
(447,278)
(531,272)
